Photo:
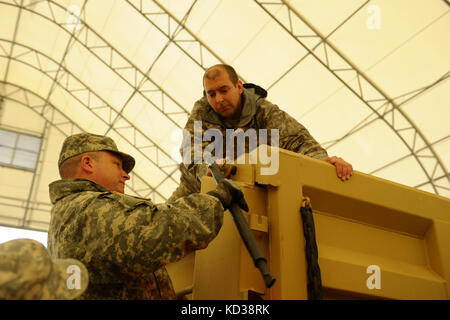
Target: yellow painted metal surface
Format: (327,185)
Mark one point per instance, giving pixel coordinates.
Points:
(376,239)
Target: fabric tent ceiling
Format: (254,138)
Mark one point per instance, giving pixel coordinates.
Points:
(369,79)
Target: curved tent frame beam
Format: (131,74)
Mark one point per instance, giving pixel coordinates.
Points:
(390,112)
(26,222)
(187,36)
(63,124)
(173,35)
(76,88)
(138,78)
(36,174)
(90,33)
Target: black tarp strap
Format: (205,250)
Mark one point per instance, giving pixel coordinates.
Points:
(312,256)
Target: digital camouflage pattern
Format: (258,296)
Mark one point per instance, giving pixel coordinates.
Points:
(125,241)
(88,142)
(257,113)
(27,272)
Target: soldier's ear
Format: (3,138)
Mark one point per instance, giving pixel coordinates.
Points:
(240,86)
(87,163)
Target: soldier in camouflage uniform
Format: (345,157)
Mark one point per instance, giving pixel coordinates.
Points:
(27,272)
(229,104)
(125,241)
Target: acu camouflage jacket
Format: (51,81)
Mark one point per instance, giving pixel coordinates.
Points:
(125,241)
(257,113)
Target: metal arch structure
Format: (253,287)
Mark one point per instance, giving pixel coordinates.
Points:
(203,56)
(64,125)
(173,31)
(14,39)
(27,98)
(30,203)
(367,121)
(389,112)
(44,136)
(392,111)
(137,79)
(410,96)
(118,122)
(124,127)
(74,86)
(63,78)
(36,175)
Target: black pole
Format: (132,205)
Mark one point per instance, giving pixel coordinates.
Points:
(246,234)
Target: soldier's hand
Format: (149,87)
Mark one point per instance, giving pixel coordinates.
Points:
(227,169)
(228,192)
(344,170)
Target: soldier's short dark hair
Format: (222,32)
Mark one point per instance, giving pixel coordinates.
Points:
(214,71)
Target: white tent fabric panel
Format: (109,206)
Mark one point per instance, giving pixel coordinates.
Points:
(228,27)
(303,92)
(431,109)
(28,34)
(369,80)
(8,21)
(327,15)
(14,114)
(16,182)
(172,71)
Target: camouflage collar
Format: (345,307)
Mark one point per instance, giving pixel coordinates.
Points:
(63,188)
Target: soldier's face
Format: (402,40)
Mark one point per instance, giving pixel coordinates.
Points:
(223,96)
(109,172)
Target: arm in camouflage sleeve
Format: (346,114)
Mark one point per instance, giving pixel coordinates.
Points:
(141,237)
(187,149)
(293,136)
(190,172)
(188,184)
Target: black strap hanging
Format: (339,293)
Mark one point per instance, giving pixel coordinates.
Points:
(312,255)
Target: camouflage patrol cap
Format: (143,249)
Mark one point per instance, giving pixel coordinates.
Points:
(27,272)
(88,142)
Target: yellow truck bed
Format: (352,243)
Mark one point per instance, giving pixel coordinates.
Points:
(376,239)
